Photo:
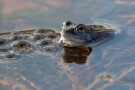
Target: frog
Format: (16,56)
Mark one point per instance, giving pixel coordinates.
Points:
(74,34)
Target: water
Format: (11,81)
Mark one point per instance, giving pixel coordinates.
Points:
(108,66)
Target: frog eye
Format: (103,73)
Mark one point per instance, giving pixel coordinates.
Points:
(80,29)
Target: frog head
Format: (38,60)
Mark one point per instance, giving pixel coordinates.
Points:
(75,34)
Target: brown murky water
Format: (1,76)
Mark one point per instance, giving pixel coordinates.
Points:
(108,66)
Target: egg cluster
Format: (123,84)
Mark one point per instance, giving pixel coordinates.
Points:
(17,42)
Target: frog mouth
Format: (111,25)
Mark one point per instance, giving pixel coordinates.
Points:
(68,32)
(64,33)
(71,37)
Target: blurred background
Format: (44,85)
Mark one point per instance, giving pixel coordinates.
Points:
(27,14)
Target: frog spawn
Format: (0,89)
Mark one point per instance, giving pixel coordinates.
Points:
(37,36)
(3,41)
(10,56)
(46,45)
(43,30)
(4,49)
(21,46)
(17,43)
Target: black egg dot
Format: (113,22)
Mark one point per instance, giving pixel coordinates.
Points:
(3,41)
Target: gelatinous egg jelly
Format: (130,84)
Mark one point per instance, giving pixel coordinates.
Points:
(21,46)
(36,37)
(10,56)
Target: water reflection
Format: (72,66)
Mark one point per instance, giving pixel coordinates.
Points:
(75,54)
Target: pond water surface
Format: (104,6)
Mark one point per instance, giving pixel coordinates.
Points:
(107,66)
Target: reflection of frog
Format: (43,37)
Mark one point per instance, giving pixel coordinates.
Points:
(75,54)
(84,35)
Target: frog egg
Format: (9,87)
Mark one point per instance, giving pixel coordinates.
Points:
(53,36)
(16,33)
(43,42)
(26,36)
(43,30)
(16,37)
(3,41)
(21,46)
(4,49)
(48,48)
(10,56)
(36,37)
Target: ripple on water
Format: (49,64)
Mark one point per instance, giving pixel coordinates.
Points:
(131,32)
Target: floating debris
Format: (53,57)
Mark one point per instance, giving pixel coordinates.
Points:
(21,46)
(36,37)
(10,56)
(106,77)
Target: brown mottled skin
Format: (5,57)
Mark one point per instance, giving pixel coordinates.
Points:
(84,35)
